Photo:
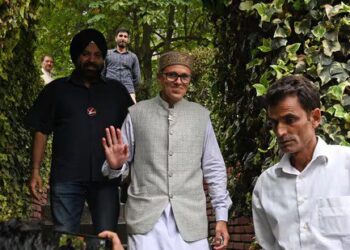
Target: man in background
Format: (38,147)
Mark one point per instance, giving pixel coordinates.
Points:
(123,65)
(47,64)
(302,202)
(76,109)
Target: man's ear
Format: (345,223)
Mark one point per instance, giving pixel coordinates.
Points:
(316,117)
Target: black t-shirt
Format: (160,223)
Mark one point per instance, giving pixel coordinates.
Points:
(77,116)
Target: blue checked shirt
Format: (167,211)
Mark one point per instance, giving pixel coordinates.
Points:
(123,67)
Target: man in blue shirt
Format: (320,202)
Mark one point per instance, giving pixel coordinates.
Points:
(121,64)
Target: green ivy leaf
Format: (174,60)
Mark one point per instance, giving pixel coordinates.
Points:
(319,31)
(337,9)
(323,74)
(336,68)
(345,21)
(278,43)
(347,119)
(280,32)
(330,46)
(332,35)
(278,4)
(339,111)
(330,111)
(336,92)
(265,11)
(293,48)
(253,63)
(272,144)
(324,60)
(260,89)
(278,70)
(266,47)
(265,78)
(246,5)
(302,27)
(338,72)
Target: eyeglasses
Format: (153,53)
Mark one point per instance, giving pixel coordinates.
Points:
(173,76)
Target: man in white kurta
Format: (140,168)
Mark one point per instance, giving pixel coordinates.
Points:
(170,145)
(302,202)
(46,68)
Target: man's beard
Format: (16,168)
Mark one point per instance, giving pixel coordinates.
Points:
(90,70)
(122,44)
(48,69)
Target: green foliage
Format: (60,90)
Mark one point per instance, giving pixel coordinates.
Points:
(201,89)
(261,41)
(13,17)
(155,26)
(17,88)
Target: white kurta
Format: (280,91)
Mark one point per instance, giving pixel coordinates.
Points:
(46,76)
(165,235)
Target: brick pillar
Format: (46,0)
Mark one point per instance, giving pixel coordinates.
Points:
(37,207)
(241,233)
(241,228)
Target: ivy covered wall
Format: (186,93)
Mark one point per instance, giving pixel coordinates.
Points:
(19,84)
(259,42)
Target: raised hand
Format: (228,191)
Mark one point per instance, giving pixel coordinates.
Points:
(116,151)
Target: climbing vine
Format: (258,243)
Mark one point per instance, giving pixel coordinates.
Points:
(259,42)
(19,83)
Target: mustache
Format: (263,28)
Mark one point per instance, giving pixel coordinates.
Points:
(284,139)
(89,64)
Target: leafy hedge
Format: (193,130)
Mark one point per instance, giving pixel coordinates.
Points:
(261,41)
(18,76)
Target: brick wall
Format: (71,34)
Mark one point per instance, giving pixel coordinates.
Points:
(241,229)
(241,232)
(37,207)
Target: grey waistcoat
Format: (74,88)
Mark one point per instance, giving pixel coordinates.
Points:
(167,167)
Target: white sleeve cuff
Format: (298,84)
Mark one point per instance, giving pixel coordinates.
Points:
(221,213)
(112,173)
